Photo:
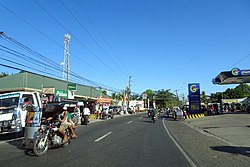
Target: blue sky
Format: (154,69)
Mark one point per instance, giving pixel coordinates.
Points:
(162,44)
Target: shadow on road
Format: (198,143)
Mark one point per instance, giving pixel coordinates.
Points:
(18,143)
(14,139)
(233,150)
(9,136)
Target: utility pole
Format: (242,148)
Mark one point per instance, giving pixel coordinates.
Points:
(127,92)
(129,89)
(129,82)
(177,97)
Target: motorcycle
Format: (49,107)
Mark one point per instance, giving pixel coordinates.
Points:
(85,120)
(154,118)
(48,136)
(149,113)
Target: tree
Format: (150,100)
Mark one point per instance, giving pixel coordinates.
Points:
(215,97)
(204,97)
(117,96)
(3,74)
(164,98)
(104,92)
(240,91)
(150,94)
(135,96)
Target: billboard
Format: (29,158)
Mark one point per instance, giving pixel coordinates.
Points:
(194,98)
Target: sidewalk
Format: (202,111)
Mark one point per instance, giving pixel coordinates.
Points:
(233,129)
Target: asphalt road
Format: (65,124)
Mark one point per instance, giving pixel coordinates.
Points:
(131,141)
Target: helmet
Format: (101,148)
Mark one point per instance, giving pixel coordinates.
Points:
(64,108)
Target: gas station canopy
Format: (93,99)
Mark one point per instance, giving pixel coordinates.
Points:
(235,76)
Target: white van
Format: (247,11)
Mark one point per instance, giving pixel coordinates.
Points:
(12,115)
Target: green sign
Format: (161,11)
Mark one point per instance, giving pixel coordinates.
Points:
(61,93)
(71,86)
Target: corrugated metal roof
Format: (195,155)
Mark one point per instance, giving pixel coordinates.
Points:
(27,81)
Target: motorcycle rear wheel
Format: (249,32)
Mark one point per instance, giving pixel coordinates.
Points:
(37,149)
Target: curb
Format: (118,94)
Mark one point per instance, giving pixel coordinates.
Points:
(205,132)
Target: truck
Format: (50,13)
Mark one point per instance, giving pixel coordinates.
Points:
(12,114)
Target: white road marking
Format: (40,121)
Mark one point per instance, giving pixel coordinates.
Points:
(129,122)
(140,117)
(102,137)
(6,141)
(178,146)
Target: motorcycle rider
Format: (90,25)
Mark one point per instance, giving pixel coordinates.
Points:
(64,124)
(86,113)
(27,105)
(72,126)
(154,113)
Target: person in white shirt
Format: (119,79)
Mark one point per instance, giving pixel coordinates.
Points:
(86,111)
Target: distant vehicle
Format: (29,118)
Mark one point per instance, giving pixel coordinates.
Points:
(107,113)
(115,110)
(176,113)
(130,111)
(149,112)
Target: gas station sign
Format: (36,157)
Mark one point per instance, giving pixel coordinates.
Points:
(194,98)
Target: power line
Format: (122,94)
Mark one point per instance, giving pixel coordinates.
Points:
(243,58)
(53,75)
(97,43)
(102,36)
(39,55)
(23,20)
(91,36)
(72,34)
(27,59)
(35,69)
(21,69)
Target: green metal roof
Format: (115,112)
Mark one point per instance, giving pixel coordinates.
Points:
(25,81)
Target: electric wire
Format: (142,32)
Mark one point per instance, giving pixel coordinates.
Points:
(33,52)
(243,58)
(103,38)
(41,71)
(13,62)
(97,43)
(20,55)
(29,60)
(20,18)
(22,69)
(72,34)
